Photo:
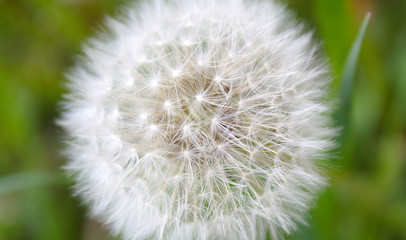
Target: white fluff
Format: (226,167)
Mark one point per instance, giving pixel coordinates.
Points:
(199,120)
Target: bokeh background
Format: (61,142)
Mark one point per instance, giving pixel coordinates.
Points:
(40,39)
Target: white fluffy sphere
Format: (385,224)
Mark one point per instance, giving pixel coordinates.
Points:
(199,120)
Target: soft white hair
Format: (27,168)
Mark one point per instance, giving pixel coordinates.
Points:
(199,119)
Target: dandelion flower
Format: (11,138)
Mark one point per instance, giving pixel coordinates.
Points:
(199,120)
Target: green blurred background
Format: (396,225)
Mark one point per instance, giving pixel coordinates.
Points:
(39,40)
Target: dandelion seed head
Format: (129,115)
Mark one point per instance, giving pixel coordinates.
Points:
(226,110)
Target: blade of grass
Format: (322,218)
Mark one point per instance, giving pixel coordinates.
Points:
(24,180)
(348,77)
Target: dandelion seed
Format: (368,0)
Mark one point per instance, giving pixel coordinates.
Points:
(154,83)
(175,73)
(218,79)
(167,104)
(199,98)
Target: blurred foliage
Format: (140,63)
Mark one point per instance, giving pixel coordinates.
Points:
(39,40)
